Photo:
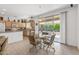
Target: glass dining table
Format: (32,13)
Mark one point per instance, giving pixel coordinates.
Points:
(44,38)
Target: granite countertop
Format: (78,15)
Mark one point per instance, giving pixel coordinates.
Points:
(11,31)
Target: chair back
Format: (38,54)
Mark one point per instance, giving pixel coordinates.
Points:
(52,38)
(32,38)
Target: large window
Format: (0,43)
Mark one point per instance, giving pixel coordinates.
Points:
(50,26)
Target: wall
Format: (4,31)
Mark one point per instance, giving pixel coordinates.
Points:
(78,27)
(71,26)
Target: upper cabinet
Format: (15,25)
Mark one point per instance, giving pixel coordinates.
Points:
(8,24)
(1,18)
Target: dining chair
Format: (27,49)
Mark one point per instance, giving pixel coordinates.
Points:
(34,40)
(49,42)
(3,42)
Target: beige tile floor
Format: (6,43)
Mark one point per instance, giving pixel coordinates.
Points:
(25,48)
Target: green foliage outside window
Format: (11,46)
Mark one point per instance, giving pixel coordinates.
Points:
(50,27)
(57,27)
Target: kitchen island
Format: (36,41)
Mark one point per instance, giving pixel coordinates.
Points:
(13,36)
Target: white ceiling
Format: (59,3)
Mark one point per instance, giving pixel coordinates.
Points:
(27,9)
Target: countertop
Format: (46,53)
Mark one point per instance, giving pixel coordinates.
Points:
(11,31)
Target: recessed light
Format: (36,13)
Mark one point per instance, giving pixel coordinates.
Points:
(4,10)
(40,6)
(2,13)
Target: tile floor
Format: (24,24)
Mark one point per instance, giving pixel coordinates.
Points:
(25,48)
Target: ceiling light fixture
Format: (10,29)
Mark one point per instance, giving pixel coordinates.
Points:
(4,10)
(40,6)
(2,13)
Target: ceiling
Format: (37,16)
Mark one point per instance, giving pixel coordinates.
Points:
(25,10)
